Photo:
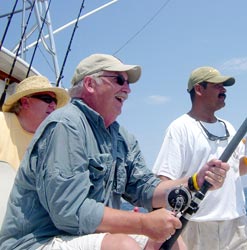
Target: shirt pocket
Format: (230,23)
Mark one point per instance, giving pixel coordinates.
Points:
(99,168)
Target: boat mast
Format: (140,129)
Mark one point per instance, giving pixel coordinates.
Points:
(52,48)
(40,7)
(74,21)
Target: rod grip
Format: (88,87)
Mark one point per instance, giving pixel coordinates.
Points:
(167,245)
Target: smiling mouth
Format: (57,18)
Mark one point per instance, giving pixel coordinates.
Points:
(121,98)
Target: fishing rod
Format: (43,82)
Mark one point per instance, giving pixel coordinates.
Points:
(199,195)
(69,46)
(39,35)
(7,80)
(8,24)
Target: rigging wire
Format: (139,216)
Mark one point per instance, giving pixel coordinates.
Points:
(46,60)
(70,42)
(7,80)
(16,11)
(39,35)
(8,24)
(143,27)
(21,40)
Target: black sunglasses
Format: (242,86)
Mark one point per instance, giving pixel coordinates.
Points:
(212,137)
(45,98)
(119,79)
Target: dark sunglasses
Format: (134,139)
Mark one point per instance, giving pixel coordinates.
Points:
(119,79)
(45,98)
(212,137)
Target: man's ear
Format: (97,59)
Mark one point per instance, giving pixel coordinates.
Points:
(89,84)
(198,89)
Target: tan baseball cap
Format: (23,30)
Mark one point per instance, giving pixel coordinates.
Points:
(208,74)
(98,62)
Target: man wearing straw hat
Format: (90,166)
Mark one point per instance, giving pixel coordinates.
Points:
(32,101)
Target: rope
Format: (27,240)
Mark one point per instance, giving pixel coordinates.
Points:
(70,42)
(40,32)
(8,24)
(143,27)
(13,64)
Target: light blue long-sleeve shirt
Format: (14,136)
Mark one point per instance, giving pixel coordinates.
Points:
(62,185)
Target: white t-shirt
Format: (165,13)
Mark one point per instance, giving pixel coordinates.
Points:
(186,148)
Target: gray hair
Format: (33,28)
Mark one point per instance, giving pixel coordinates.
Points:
(76,90)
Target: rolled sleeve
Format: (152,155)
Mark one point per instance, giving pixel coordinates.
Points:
(141,181)
(64,183)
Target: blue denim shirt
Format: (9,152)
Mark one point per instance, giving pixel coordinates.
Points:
(63,183)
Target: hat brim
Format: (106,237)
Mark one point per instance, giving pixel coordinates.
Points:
(61,96)
(226,80)
(133,71)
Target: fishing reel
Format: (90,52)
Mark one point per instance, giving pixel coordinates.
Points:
(179,199)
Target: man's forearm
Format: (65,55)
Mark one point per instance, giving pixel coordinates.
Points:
(119,221)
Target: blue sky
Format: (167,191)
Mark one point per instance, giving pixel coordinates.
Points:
(168,39)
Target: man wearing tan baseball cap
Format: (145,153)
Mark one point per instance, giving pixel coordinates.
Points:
(190,141)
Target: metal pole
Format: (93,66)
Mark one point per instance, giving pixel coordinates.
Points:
(72,22)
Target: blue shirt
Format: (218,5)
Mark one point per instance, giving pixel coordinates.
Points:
(73,167)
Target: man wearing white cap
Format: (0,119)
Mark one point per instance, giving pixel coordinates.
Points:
(190,141)
(80,165)
(33,100)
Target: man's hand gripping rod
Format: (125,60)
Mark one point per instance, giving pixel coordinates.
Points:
(199,195)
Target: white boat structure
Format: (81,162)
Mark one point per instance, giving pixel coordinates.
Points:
(19,71)
(13,65)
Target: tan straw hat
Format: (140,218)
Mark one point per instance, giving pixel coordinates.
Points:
(33,85)
(208,74)
(98,62)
